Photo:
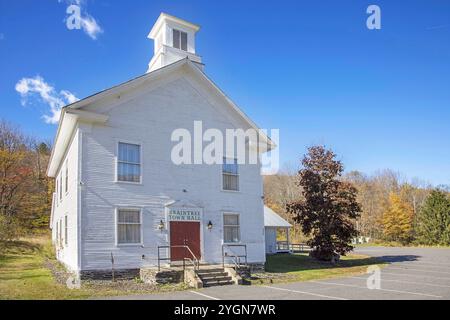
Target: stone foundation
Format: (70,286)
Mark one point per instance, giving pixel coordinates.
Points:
(122,274)
(246,273)
(153,276)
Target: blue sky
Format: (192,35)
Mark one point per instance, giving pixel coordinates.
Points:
(379,98)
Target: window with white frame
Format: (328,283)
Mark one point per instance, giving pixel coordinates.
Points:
(66,231)
(129,226)
(56,191)
(231,229)
(179,39)
(67,177)
(230,175)
(129,162)
(60,186)
(60,232)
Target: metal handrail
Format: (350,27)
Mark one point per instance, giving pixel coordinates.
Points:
(195,262)
(196,267)
(237,262)
(237,258)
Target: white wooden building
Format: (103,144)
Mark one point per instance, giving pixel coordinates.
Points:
(272,223)
(118,194)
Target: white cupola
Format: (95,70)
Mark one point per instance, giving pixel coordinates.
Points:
(174,40)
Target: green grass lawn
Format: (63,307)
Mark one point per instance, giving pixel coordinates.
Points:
(24,275)
(300,267)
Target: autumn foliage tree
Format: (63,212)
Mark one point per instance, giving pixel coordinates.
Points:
(15,174)
(24,188)
(398,220)
(37,205)
(329,208)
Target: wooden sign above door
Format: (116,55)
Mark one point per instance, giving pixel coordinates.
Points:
(187,214)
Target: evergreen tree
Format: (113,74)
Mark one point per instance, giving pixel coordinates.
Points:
(434,219)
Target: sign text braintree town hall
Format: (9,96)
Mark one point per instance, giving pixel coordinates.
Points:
(184,215)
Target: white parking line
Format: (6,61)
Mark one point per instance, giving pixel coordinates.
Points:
(418,264)
(404,281)
(307,293)
(430,263)
(415,275)
(204,295)
(387,290)
(412,269)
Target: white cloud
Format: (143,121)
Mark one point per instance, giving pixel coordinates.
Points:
(29,87)
(69,96)
(90,26)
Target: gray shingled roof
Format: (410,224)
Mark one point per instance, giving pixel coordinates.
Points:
(271,219)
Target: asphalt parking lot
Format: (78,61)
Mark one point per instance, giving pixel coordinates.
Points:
(412,273)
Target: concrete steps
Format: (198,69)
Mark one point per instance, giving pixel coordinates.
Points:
(214,277)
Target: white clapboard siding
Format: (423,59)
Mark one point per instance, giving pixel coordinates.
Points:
(67,205)
(148,115)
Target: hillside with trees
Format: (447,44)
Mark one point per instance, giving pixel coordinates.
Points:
(393,208)
(25,190)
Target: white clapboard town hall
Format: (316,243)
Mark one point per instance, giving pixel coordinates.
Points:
(121,202)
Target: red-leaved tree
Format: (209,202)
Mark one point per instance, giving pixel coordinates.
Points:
(329,208)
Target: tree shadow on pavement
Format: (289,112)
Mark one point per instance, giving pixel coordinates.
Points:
(281,263)
(399,258)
